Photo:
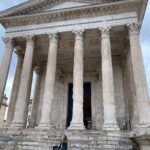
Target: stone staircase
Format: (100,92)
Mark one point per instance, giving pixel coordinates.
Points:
(29,139)
(99,140)
(35,139)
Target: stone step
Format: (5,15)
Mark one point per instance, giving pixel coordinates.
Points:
(45,140)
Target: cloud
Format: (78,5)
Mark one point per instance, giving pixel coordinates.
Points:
(146,55)
(4,4)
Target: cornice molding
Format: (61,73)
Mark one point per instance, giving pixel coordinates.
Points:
(53,16)
(32,6)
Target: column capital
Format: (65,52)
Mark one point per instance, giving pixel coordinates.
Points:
(133,29)
(19,53)
(53,37)
(105,31)
(29,38)
(8,40)
(37,70)
(78,34)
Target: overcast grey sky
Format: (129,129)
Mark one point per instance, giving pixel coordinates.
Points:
(144,36)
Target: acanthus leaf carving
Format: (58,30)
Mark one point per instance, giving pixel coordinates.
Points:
(53,37)
(105,31)
(8,41)
(133,29)
(78,34)
(29,38)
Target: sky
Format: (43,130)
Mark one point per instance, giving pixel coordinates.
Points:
(4,4)
(144,37)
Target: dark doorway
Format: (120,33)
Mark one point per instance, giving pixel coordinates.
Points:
(70,104)
(86,105)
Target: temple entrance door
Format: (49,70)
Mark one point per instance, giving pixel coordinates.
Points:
(70,104)
(87,116)
(87,106)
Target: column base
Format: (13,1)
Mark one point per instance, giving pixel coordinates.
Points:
(76,126)
(45,126)
(110,127)
(143,125)
(17,125)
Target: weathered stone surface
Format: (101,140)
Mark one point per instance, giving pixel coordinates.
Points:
(48,96)
(119,98)
(15,88)
(77,116)
(45,139)
(110,122)
(4,68)
(21,109)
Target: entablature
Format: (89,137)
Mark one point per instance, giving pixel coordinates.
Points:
(93,10)
(70,25)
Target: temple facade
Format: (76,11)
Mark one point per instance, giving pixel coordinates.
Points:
(90,79)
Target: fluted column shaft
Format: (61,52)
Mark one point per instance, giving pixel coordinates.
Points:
(5,64)
(77,118)
(15,87)
(36,97)
(110,122)
(21,108)
(141,90)
(49,82)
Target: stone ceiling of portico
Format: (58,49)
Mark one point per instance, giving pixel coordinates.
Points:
(91,43)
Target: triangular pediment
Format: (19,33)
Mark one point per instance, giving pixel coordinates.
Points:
(67,5)
(38,6)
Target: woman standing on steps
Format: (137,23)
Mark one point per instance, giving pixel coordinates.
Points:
(63,145)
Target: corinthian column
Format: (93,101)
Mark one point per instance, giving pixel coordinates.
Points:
(49,82)
(141,90)
(110,122)
(77,118)
(15,87)
(36,97)
(5,64)
(21,108)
